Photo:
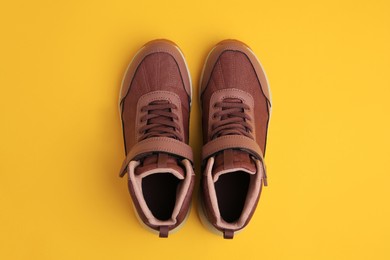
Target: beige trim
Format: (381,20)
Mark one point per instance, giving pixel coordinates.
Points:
(216,176)
(250,203)
(136,180)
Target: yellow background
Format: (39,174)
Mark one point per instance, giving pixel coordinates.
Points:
(61,64)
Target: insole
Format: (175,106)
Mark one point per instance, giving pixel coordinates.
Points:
(232,189)
(159,191)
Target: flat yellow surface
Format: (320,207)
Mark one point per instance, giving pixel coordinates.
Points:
(61,64)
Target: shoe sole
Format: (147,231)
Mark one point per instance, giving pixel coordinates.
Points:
(203,218)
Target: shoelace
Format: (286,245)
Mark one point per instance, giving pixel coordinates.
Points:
(160,121)
(233,119)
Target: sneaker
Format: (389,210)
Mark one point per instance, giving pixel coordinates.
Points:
(236,108)
(154,107)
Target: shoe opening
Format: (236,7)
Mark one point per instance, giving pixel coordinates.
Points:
(232,189)
(160,191)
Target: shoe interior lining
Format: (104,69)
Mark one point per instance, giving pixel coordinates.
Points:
(232,190)
(160,191)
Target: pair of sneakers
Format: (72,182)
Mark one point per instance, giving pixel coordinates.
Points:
(155,103)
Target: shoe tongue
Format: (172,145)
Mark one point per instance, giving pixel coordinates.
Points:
(160,163)
(231,161)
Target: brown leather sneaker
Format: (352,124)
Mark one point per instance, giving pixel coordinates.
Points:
(154,106)
(236,110)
